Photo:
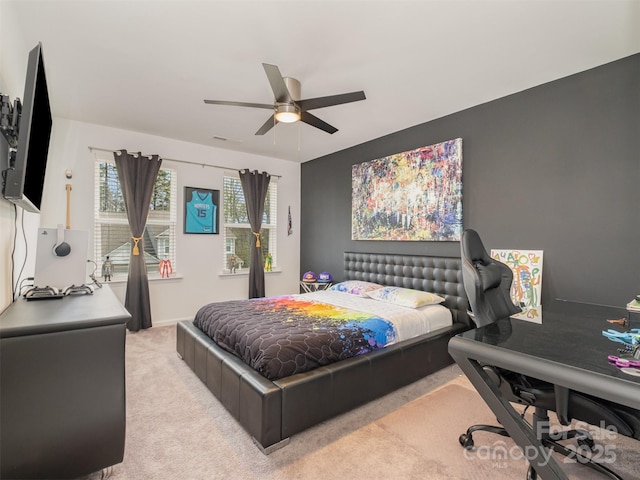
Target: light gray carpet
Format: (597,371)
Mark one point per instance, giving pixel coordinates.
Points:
(177,430)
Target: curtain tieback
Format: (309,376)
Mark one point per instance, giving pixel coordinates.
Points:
(136,251)
(257,235)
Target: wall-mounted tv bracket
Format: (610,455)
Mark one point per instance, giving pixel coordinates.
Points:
(9,126)
(10,119)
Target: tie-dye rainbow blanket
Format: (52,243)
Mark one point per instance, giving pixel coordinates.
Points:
(281,336)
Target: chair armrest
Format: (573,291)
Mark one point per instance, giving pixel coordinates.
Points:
(562,404)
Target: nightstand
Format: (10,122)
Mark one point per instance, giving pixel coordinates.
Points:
(308,287)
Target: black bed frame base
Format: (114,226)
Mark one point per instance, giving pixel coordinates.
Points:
(271,448)
(273,411)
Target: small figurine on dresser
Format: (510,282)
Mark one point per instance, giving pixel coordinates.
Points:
(107,269)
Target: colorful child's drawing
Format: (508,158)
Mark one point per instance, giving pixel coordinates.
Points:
(526,289)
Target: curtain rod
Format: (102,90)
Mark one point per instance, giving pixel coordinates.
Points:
(179,161)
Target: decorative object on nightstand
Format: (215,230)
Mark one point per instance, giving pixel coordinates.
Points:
(309,277)
(325,277)
(313,283)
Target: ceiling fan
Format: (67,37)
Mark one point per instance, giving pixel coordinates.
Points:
(288,107)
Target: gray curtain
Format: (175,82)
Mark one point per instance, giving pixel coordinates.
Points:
(137,175)
(254,186)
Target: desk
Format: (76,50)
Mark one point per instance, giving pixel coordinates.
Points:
(62,386)
(567,349)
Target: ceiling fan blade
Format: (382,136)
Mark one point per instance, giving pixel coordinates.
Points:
(268,125)
(314,121)
(240,104)
(280,90)
(328,101)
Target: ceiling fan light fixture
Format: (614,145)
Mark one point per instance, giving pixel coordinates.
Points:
(289,106)
(286,113)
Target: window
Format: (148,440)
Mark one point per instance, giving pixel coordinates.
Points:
(238,238)
(112,234)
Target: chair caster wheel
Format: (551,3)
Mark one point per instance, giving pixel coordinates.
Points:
(531,473)
(586,442)
(466,441)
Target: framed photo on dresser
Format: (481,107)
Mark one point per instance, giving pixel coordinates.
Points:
(201,210)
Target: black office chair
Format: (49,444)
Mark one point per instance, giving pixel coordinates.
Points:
(487,283)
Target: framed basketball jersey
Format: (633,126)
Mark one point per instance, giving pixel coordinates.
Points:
(201,213)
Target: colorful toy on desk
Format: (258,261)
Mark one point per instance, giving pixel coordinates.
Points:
(623,362)
(632,337)
(618,321)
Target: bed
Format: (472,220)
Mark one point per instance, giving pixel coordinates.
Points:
(272,410)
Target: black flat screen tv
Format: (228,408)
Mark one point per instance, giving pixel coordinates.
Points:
(24,180)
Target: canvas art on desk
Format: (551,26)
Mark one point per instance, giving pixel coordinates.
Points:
(526,289)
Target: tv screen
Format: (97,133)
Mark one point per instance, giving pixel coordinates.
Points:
(24,179)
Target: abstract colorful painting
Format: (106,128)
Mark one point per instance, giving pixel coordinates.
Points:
(414,195)
(526,289)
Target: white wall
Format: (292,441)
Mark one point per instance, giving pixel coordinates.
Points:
(13,67)
(199,257)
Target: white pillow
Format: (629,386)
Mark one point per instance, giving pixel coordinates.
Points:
(405,297)
(355,287)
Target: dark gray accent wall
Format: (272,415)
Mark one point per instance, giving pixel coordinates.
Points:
(553,168)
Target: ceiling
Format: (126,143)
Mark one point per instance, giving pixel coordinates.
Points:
(147,66)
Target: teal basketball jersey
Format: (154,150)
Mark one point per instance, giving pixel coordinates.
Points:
(201,213)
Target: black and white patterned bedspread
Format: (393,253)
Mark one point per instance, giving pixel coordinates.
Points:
(281,336)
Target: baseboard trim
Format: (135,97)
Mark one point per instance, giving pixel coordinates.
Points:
(170,321)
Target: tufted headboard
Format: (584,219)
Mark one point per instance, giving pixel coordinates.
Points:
(439,275)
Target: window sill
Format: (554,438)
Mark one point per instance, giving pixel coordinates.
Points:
(152,278)
(244,272)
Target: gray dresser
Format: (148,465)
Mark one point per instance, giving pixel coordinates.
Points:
(62,386)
